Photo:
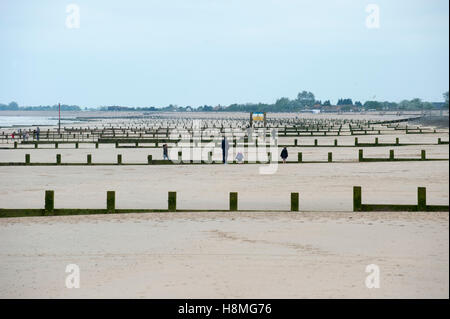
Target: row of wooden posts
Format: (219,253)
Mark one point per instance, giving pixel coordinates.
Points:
(316,143)
(361,157)
(233,202)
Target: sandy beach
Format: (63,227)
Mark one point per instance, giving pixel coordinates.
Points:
(226,255)
(320,252)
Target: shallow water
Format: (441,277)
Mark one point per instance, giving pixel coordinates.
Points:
(11,121)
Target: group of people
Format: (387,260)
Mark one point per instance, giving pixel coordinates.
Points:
(225,148)
(240,156)
(25,135)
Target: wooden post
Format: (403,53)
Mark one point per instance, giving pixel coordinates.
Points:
(397,141)
(110,201)
(376,140)
(58,159)
(439,140)
(233,201)
(330,157)
(210,157)
(76,145)
(356,141)
(96,145)
(119,158)
(15,144)
(315,142)
(357,201)
(295,142)
(89,159)
(56,145)
(149,159)
(294,202)
(35,145)
(49,201)
(300,157)
(421,199)
(423,155)
(180,156)
(27,158)
(336,142)
(172,202)
(391,155)
(360,155)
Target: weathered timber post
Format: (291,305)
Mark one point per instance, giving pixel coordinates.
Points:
(110,201)
(210,157)
(421,199)
(294,202)
(233,201)
(357,201)
(391,155)
(49,201)
(172,201)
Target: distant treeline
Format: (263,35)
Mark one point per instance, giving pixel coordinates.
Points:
(304,101)
(13,106)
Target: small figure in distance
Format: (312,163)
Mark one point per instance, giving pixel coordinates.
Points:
(225,147)
(284,154)
(240,157)
(165,152)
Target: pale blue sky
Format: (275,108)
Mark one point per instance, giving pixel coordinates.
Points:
(195,52)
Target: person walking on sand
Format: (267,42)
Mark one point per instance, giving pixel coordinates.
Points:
(38,130)
(165,152)
(284,154)
(225,147)
(239,157)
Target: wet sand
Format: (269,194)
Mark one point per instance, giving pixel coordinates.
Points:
(322,187)
(320,252)
(226,255)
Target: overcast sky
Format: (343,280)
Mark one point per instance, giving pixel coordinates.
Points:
(196,52)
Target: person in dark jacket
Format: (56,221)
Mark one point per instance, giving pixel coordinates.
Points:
(225,147)
(284,154)
(165,152)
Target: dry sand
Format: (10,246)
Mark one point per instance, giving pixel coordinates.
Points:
(226,255)
(322,187)
(321,252)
